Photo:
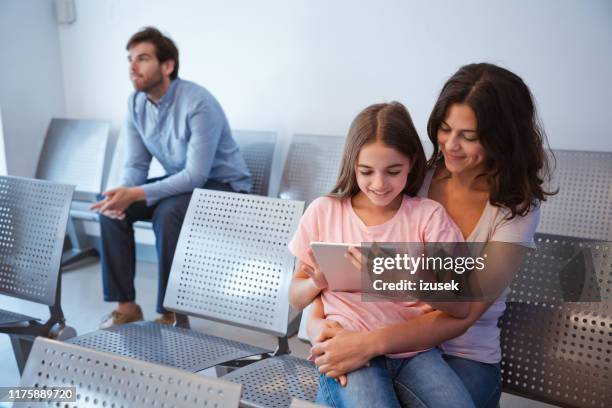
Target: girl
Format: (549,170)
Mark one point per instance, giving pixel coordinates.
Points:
(382,169)
(487,170)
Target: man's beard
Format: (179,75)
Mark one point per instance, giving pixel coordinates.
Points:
(152,83)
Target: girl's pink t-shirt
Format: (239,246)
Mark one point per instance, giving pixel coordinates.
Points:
(330,219)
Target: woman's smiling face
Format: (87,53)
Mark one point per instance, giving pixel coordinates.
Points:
(459,142)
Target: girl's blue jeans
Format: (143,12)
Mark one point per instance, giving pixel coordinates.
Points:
(425,380)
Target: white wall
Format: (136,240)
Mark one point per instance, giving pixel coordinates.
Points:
(31,88)
(310,65)
(306,65)
(3,169)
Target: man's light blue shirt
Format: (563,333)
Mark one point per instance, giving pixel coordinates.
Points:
(190,136)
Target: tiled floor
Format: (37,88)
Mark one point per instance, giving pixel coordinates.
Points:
(83,306)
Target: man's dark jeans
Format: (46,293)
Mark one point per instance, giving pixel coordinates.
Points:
(118,249)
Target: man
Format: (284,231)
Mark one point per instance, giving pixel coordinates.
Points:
(183,126)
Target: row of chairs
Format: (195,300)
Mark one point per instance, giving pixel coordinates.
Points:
(259,226)
(258,298)
(96,379)
(80,152)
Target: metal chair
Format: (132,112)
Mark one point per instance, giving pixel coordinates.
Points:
(74,152)
(557,329)
(257,148)
(280,381)
(231,265)
(298,403)
(554,350)
(311,167)
(274,382)
(582,206)
(107,380)
(33,217)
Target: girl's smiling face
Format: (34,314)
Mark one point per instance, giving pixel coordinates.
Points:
(382,173)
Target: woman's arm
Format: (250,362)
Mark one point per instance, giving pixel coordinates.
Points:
(455,309)
(344,351)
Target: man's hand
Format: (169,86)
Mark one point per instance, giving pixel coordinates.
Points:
(117,200)
(115,215)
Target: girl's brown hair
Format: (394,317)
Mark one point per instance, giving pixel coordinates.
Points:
(508,129)
(389,123)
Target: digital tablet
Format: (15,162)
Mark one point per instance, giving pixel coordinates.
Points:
(339,272)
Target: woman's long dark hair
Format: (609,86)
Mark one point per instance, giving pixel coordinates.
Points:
(391,124)
(508,128)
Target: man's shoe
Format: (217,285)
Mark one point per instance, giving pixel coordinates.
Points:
(116,317)
(166,318)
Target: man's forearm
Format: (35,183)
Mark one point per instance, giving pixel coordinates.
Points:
(423,332)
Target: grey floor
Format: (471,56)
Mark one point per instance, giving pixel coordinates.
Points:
(84,308)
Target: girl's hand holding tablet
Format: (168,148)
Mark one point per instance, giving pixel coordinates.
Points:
(354,256)
(314,272)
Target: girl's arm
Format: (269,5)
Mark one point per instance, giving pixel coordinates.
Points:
(425,331)
(307,283)
(317,322)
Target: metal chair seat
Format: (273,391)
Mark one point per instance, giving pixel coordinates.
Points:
(7,317)
(274,382)
(81,211)
(164,344)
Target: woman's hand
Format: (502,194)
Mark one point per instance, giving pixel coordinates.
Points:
(339,351)
(322,328)
(313,272)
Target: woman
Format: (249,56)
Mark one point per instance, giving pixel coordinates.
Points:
(487,170)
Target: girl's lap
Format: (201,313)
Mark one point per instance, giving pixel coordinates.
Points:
(425,380)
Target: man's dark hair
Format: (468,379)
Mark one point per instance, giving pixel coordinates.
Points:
(165,49)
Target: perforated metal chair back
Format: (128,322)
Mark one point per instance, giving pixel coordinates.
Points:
(232,263)
(108,380)
(311,167)
(554,350)
(257,148)
(33,218)
(582,208)
(74,152)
